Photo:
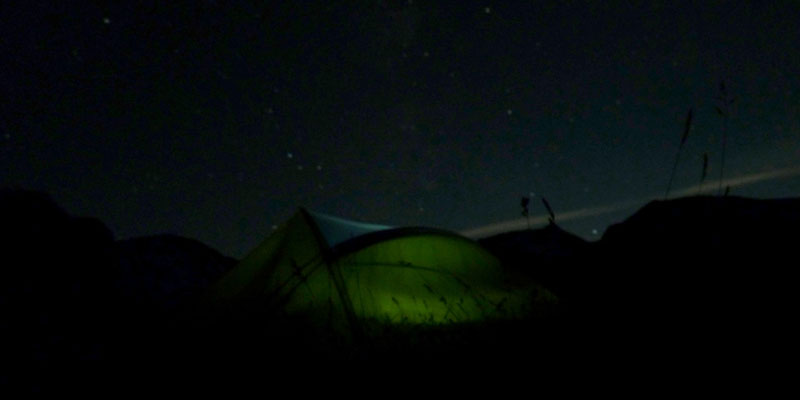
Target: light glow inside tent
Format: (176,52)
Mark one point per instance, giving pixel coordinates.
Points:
(374,273)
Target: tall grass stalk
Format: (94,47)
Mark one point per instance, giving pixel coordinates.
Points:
(685,136)
(552,218)
(703,175)
(525,213)
(723,111)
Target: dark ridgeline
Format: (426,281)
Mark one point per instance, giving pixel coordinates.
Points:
(160,271)
(550,255)
(684,280)
(55,291)
(697,277)
(78,306)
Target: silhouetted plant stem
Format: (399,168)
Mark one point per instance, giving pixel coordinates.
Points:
(724,112)
(552,218)
(722,163)
(524,203)
(686,128)
(703,175)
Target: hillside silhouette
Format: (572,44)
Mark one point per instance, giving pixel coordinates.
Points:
(550,255)
(75,299)
(684,279)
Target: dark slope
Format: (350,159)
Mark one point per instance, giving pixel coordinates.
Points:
(706,245)
(73,299)
(550,256)
(54,290)
(707,278)
(163,270)
(701,283)
(709,223)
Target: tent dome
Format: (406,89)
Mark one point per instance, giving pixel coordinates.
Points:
(344,272)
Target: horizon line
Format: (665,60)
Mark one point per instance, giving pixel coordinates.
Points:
(575,214)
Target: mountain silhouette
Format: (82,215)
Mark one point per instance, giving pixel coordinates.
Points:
(550,256)
(73,298)
(684,279)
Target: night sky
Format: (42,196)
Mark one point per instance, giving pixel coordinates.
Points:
(215,120)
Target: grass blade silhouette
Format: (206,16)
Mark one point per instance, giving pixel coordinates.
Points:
(686,128)
(703,175)
(549,210)
(724,112)
(524,203)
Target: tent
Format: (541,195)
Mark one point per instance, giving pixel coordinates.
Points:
(348,274)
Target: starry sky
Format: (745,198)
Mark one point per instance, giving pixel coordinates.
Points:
(215,120)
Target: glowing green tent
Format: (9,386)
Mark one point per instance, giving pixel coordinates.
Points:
(347,274)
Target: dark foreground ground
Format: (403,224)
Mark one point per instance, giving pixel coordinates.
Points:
(679,291)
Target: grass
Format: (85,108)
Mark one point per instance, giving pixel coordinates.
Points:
(687,126)
(723,109)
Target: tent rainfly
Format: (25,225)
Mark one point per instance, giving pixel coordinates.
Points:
(347,274)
